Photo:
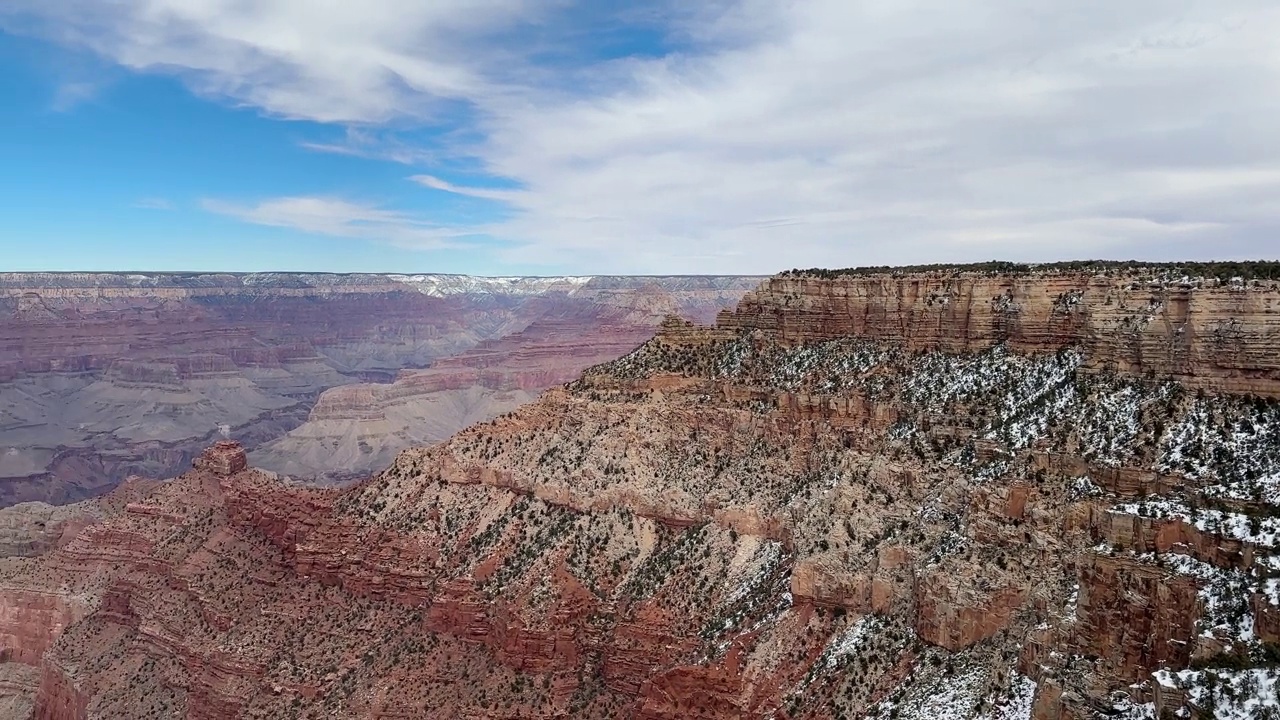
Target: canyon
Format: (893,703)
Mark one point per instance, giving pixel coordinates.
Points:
(103,376)
(1045,492)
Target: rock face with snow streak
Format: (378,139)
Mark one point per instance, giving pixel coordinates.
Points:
(729,522)
(1216,335)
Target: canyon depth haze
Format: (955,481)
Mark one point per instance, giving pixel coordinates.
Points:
(322,377)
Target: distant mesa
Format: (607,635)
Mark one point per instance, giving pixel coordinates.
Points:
(104,376)
(226,457)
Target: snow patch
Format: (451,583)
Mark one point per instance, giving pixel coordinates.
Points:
(445,285)
(1261,531)
(845,644)
(1228,694)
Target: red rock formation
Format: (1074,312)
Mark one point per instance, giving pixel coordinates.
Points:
(692,692)
(721,525)
(1266,619)
(225,458)
(1144,534)
(1135,617)
(955,613)
(58,698)
(30,620)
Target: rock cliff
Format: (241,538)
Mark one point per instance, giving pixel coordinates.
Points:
(814,509)
(1205,332)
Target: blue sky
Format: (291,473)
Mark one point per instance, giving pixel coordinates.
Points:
(553,136)
(118,170)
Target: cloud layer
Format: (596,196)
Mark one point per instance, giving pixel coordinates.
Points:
(765,134)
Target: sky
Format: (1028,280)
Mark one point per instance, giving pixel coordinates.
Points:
(560,136)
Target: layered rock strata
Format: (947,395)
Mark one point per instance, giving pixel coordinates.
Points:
(1206,333)
(783,519)
(103,376)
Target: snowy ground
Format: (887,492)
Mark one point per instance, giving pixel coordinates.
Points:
(962,697)
(1261,531)
(1228,694)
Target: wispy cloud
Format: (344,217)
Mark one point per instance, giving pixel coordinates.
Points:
(153,203)
(341,218)
(71,94)
(435,183)
(347,62)
(362,143)
(783,133)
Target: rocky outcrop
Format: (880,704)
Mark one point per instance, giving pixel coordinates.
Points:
(30,620)
(957,612)
(1146,534)
(31,529)
(58,698)
(1134,617)
(693,692)
(225,458)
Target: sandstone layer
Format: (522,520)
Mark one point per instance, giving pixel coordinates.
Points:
(1207,333)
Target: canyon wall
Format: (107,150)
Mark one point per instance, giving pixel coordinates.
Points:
(107,375)
(786,515)
(1211,334)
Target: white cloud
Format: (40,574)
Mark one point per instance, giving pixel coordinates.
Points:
(787,132)
(341,218)
(325,60)
(897,132)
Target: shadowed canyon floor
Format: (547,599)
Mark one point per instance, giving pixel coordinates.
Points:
(107,375)
(947,494)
